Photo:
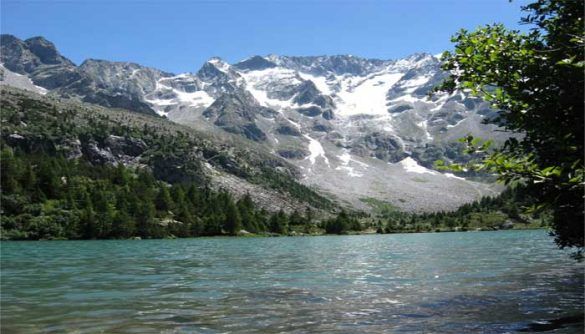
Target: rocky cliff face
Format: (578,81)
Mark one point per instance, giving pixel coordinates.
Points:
(38,59)
(355,127)
(114,84)
(111,84)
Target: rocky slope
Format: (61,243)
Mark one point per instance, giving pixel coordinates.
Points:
(171,152)
(355,128)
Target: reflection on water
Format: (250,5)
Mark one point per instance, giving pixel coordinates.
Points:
(485,282)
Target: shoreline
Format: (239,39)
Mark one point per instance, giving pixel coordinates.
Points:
(251,235)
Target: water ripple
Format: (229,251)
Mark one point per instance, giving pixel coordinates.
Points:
(485,282)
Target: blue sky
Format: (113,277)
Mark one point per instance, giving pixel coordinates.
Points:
(179,35)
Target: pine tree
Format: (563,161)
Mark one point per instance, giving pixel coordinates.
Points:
(123,226)
(278,223)
(89,223)
(164,202)
(10,169)
(233,221)
(246,211)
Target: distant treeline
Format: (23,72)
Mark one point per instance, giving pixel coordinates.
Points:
(53,197)
(510,209)
(50,197)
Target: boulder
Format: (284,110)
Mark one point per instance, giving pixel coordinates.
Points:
(125,145)
(99,156)
(507,225)
(71,148)
(288,130)
(296,154)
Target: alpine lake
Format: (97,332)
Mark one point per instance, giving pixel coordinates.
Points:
(462,282)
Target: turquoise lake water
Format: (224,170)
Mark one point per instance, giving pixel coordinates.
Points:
(480,282)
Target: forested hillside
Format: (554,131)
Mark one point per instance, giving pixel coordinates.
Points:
(75,171)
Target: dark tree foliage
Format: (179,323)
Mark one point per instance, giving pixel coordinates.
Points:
(278,223)
(535,80)
(233,221)
(341,224)
(71,199)
(50,189)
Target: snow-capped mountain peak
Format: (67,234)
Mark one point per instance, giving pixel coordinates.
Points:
(355,127)
(219,64)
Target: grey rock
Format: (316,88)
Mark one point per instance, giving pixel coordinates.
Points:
(401,108)
(46,52)
(255,63)
(125,146)
(236,113)
(210,72)
(310,111)
(288,130)
(324,65)
(309,94)
(322,127)
(99,156)
(328,114)
(71,148)
(293,153)
(381,146)
(507,225)
(16,56)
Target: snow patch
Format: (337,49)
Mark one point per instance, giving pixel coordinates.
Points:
(198,98)
(452,176)
(161,102)
(219,64)
(195,99)
(346,159)
(406,98)
(411,166)
(20,81)
(297,125)
(412,84)
(367,95)
(350,171)
(424,125)
(258,83)
(316,150)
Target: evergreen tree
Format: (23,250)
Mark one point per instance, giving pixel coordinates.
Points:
(233,221)
(278,223)
(88,222)
(123,225)
(246,211)
(10,170)
(164,202)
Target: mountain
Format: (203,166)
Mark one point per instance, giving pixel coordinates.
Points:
(354,128)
